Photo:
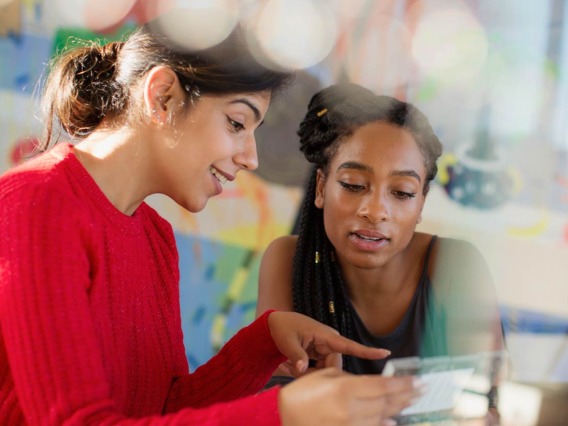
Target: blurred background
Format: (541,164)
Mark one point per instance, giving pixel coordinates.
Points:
(492,76)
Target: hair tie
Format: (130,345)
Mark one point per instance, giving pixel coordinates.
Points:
(322,112)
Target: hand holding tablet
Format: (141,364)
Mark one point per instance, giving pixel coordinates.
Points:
(445,378)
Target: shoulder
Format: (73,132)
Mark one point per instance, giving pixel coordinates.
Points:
(452,248)
(277,260)
(282,247)
(275,275)
(458,262)
(454,243)
(35,185)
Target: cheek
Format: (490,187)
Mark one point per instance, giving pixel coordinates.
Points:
(410,216)
(337,214)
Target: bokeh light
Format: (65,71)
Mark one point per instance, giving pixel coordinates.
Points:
(515,103)
(293,34)
(96,15)
(381,61)
(450,46)
(199,24)
(346,10)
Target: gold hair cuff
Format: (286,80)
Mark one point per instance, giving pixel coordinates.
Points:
(322,112)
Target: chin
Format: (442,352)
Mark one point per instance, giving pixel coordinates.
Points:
(193,206)
(199,208)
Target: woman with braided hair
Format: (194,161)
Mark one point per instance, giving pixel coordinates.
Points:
(358,264)
(90,327)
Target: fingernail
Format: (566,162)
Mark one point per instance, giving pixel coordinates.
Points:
(415,399)
(418,383)
(419,386)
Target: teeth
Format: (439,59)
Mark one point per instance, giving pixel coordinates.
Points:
(368,238)
(218,175)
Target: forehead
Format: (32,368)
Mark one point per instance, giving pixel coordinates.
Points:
(381,146)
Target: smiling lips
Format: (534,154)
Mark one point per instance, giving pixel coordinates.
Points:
(220,177)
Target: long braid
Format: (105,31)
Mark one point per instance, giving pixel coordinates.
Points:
(301,289)
(318,287)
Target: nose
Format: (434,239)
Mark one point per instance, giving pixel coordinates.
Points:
(375,208)
(247,158)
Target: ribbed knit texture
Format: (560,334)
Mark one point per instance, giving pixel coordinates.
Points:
(90,317)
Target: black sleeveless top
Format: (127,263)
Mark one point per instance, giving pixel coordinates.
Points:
(420,333)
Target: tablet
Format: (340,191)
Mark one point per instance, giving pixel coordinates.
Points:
(446,378)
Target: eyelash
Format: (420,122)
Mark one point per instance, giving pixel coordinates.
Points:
(404,195)
(398,194)
(350,187)
(237,127)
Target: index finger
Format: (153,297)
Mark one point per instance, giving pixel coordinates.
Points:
(337,343)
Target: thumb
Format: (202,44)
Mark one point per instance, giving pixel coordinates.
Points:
(299,360)
(334,359)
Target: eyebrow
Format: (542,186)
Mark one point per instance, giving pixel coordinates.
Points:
(355,165)
(365,168)
(410,173)
(252,106)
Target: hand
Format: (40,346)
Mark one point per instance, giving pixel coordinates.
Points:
(332,397)
(300,338)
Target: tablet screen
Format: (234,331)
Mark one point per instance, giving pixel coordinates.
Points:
(445,378)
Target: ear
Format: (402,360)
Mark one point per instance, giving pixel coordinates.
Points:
(320,189)
(162,94)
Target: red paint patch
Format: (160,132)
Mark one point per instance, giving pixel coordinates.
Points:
(22,150)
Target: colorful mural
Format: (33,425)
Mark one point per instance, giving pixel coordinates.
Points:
(492,78)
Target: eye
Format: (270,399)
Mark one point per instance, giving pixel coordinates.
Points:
(237,127)
(350,187)
(402,195)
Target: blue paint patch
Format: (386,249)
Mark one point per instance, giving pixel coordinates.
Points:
(516,320)
(198,316)
(206,271)
(23,61)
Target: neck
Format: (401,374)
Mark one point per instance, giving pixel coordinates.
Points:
(117,161)
(387,281)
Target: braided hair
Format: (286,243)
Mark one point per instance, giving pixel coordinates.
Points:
(334,114)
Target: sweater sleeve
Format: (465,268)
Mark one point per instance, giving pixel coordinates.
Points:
(49,349)
(245,363)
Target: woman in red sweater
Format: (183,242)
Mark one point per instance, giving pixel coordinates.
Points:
(89,303)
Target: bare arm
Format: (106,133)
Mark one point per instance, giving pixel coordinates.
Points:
(275,282)
(275,276)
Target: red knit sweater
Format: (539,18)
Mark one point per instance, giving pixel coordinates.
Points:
(90,317)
